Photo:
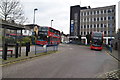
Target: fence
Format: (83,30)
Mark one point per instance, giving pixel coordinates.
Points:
(27,50)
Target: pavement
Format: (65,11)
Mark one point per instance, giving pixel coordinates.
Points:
(114,53)
(72,61)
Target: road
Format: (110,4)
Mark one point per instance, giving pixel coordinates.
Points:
(72,61)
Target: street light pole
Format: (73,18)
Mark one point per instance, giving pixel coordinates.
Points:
(34,16)
(51,23)
(34,26)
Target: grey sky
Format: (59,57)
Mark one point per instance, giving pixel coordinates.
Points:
(58,10)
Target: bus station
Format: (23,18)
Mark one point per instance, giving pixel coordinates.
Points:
(7,40)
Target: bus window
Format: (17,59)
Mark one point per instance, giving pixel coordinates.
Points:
(43,29)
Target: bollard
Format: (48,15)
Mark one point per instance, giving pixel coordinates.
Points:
(27,48)
(54,48)
(5,52)
(46,49)
(16,50)
(57,47)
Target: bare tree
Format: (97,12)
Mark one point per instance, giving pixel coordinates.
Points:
(12,10)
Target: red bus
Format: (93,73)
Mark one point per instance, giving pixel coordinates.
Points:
(48,36)
(96,41)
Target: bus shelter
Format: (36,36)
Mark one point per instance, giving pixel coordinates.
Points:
(7,28)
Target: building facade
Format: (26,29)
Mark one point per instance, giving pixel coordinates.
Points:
(101,19)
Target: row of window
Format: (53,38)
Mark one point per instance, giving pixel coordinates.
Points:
(96,12)
(97,26)
(97,19)
(104,32)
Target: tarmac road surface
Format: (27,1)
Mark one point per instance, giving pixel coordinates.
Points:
(71,61)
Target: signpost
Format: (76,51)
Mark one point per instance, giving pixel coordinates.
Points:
(36,35)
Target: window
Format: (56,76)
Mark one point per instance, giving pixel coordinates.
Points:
(84,33)
(87,19)
(104,11)
(45,29)
(104,18)
(90,26)
(104,25)
(94,19)
(94,12)
(91,12)
(97,19)
(81,14)
(87,32)
(94,26)
(97,25)
(112,17)
(110,10)
(101,25)
(87,13)
(84,19)
(84,13)
(97,12)
(104,32)
(87,26)
(84,26)
(81,26)
(101,12)
(81,33)
(25,31)
(101,18)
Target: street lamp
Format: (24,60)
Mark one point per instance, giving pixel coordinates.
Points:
(34,26)
(34,16)
(51,22)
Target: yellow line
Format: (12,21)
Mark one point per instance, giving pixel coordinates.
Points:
(112,56)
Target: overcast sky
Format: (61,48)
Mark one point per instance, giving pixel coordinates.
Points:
(57,10)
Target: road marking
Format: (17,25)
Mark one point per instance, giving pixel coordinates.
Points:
(112,56)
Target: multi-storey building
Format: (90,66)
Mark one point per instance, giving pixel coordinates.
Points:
(101,19)
(119,14)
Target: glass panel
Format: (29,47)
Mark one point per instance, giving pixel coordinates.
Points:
(97,34)
(43,29)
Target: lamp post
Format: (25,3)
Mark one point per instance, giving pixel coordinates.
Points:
(34,26)
(51,22)
(34,16)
